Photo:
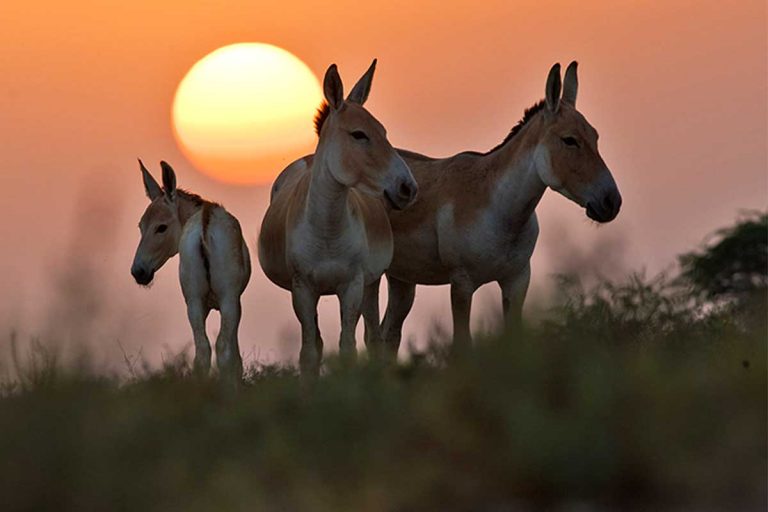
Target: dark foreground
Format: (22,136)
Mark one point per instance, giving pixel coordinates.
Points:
(649,395)
(608,405)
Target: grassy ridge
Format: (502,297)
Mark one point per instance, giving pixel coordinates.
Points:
(626,397)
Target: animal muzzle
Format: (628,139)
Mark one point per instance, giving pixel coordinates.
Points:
(142,275)
(403,194)
(606,207)
(402,191)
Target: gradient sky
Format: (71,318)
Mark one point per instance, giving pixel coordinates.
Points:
(677,90)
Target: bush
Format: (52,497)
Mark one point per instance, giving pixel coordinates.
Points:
(629,395)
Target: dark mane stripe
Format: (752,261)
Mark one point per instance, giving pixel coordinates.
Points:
(529,114)
(322,114)
(205,221)
(189,196)
(324,110)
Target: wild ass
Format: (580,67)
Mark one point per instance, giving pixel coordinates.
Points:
(214,265)
(474,221)
(326,231)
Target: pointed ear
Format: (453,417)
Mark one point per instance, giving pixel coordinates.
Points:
(151,187)
(333,88)
(553,88)
(363,86)
(570,84)
(169,181)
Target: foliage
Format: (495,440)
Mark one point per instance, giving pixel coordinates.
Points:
(735,265)
(618,400)
(630,395)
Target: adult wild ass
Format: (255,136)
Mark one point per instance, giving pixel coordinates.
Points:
(326,231)
(474,221)
(214,265)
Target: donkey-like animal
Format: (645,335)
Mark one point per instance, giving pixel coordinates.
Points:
(326,230)
(214,264)
(474,220)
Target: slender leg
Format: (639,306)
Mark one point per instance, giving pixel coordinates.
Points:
(227,349)
(373,340)
(399,304)
(197,313)
(513,293)
(350,303)
(305,307)
(318,338)
(462,290)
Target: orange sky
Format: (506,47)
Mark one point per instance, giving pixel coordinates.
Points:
(677,90)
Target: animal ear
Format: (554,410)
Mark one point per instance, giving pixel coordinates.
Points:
(151,186)
(553,88)
(169,181)
(333,88)
(363,86)
(570,84)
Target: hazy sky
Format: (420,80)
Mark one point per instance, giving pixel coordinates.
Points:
(677,90)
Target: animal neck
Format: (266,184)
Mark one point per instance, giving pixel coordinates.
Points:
(187,206)
(519,186)
(326,209)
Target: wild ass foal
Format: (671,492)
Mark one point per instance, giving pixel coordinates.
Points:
(474,221)
(326,231)
(214,265)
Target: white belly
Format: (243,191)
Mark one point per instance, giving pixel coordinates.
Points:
(485,250)
(327,264)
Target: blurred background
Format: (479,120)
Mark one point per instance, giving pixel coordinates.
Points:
(677,91)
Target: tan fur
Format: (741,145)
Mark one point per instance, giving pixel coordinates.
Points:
(474,220)
(214,264)
(326,230)
(288,204)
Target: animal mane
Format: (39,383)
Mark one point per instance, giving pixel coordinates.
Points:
(529,114)
(204,250)
(325,109)
(195,199)
(321,115)
(190,196)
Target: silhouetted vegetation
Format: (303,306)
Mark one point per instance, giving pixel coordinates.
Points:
(735,264)
(630,395)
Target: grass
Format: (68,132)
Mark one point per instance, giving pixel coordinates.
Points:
(626,397)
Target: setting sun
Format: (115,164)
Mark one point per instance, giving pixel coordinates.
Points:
(244,111)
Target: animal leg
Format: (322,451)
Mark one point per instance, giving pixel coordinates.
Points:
(373,339)
(399,304)
(228,357)
(513,293)
(197,313)
(350,302)
(305,307)
(462,290)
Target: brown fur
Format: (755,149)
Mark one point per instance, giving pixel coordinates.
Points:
(321,115)
(467,179)
(474,220)
(205,219)
(326,231)
(190,203)
(529,113)
(286,204)
(213,270)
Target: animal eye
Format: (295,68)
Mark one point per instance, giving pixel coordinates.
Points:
(358,135)
(161,228)
(570,141)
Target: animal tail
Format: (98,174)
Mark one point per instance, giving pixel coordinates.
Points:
(204,249)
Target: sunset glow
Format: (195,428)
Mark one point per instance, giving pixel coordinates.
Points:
(243,111)
(678,91)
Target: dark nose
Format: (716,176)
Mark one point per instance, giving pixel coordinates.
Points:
(612,204)
(605,209)
(406,191)
(141,275)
